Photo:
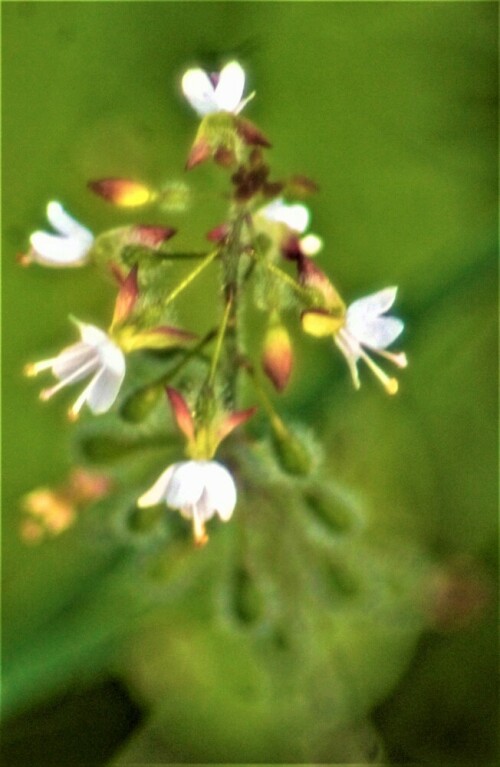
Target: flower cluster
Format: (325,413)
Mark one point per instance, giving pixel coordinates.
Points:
(263,241)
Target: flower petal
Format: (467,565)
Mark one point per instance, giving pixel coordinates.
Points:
(53,250)
(371,306)
(157,491)
(296,216)
(199,91)
(91,335)
(186,485)
(220,489)
(380,332)
(72,358)
(103,390)
(230,87)
(66,224)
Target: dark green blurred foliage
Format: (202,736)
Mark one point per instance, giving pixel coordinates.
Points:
(277,641)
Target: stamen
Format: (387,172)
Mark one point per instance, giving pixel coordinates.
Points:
(390,384)
(74,411)
(399,359)
(199,533)
(46,394)
(24,259)
(33,368)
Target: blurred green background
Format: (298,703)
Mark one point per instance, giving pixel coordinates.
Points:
(356,623)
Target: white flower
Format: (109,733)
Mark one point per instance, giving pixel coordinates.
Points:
(366,328)
(198,489)
(220,92)
(295,216)
(69,247)
(95,355)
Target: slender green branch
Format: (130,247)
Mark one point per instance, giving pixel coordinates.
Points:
(218,343)
(190,277)
(189,354)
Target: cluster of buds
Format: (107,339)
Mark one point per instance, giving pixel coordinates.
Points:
(263,240)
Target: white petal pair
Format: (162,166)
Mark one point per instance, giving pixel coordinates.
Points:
(220,92)
(69,247)
(198,489)
(95,355)
(365,327)
(295,216)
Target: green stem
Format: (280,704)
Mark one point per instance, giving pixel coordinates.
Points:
(190,277)
(230,257)
(193,352)
(218,343)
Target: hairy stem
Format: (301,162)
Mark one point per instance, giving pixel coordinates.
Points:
(230,258)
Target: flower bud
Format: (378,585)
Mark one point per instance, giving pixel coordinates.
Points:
(277,355)
(138,405)
(291,454)
(122,192)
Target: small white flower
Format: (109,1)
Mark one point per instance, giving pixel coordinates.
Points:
(95,355)
(69,247)
(366,328)
(294,216)
(219,92)
(198,489)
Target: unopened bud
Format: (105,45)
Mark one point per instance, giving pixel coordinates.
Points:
(277,355)
(291,454)
(122,192)
(224,156)
(138,405)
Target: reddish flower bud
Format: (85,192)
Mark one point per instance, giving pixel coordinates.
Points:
(122,192)
(224,156)
(181,412)
(277,355)
(301,186)
(200,151)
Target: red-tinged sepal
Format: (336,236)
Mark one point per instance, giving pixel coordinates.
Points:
(231,421)
(200,152)
(122,192)
(148,236)
(127,295)
(277,355)
(250,133)
(182,413)
(311,276)
(218,233)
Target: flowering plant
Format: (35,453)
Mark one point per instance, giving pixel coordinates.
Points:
(262,236)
